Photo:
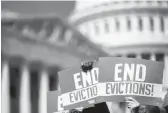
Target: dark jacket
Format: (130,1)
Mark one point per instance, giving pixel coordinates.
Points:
(99,108)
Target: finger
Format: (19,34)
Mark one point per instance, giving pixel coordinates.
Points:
(130,98)
(131,102)
(131,107)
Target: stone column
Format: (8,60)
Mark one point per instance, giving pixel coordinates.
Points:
(44,87)
(5,88)
(25,101)
(138,56)
(153,57)
(165,25)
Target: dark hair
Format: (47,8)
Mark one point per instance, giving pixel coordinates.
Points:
(149,109)
(154,109)
(166,108)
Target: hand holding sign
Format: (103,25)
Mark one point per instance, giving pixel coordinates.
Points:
(132,103)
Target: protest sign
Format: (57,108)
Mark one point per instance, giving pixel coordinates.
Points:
(124,77)
(55,102)
(78,88)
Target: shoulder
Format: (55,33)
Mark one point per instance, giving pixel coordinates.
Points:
(98,108)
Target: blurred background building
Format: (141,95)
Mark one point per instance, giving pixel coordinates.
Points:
(36,46)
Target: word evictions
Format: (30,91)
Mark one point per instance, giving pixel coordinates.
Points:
(129,88)
(85,85)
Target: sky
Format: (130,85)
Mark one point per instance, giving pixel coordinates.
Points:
(60,8)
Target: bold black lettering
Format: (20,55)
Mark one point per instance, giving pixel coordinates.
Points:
(76,95)
(120,91)
(91,91)
(116,87)
(148,89)
(70,94)
(130,90)
(88,93)
(152,90)
(142,89)
(95,90)
(108,86)
(126,87)
(135,88)
(82,94)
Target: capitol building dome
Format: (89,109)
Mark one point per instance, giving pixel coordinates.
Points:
(137,29)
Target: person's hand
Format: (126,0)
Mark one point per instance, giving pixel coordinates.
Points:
(87,66)
(132,103)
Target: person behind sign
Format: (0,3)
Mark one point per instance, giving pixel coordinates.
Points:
(135,107)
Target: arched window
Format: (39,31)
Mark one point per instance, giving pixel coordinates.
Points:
(162,24)
(140,24)
(151,21)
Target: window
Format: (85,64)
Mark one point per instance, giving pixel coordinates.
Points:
(160,57)
(7,24)
(96,29)
(149,2)
(118,55)
(131,55)
(151,24)
(140,24)
(128,24)
(117,24)
(146,56)
(106,26)
(162,24)
(53,82)
(159,2)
